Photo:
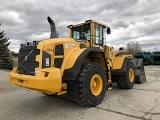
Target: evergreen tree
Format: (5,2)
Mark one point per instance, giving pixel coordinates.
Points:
(5,56)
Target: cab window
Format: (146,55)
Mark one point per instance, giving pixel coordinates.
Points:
(98,29)
(81,32)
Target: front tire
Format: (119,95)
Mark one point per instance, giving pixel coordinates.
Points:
(127,79)
(92,84)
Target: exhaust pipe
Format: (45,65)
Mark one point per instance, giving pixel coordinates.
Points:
(53,28)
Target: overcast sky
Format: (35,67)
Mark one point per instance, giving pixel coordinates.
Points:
(130,20)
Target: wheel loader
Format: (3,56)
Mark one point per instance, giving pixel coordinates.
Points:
(81,66)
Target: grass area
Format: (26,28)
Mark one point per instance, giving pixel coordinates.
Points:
(15,61)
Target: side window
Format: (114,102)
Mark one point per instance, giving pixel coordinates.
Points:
(98,34)
(76,34)
(87,34)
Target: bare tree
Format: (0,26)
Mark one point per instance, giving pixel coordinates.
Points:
(133,47)
(155,48)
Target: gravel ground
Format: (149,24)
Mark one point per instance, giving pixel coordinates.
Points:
(140,103)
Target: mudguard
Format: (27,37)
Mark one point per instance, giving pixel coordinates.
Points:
(71,73)
(140,76)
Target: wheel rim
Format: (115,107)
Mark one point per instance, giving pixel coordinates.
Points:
(96,84)
(131,75)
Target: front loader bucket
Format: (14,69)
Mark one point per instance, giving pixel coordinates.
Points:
(140,76)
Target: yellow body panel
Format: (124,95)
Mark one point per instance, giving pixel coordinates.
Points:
(50,84)
(117,62)
(72,58)
(71,51)
(57,40)
(53,82)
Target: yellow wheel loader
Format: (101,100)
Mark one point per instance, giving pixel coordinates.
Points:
(80,66)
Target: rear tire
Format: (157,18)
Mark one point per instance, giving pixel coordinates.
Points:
(127,79)
(92,84)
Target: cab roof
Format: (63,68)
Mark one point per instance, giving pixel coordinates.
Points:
(88,21)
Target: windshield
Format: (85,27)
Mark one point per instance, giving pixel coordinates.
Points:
(81,32)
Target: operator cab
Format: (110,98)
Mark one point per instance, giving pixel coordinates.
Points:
(92,31)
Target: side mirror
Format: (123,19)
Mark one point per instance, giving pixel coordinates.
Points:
(108,30)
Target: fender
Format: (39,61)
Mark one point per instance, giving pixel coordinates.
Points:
(122,68)
(71,73)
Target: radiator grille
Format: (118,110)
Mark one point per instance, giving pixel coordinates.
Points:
(26,60)
(59,49)
(59,52)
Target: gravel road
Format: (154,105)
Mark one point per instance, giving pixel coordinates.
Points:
(140,103)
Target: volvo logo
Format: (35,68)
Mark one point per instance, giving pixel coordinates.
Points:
(25,59)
